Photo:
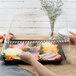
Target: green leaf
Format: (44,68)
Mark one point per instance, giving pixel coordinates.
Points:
(27,49)
(42,52)
(6,57)
(41,47)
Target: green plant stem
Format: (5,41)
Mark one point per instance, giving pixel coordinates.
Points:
(52,28)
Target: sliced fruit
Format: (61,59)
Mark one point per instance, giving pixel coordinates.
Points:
(11,58)
(50,48)
(6,59)
(9,36)
(1,37)
(58,58)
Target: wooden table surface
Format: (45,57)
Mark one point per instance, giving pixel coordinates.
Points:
(67,68)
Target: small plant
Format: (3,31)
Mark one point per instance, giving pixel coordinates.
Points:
(53,10)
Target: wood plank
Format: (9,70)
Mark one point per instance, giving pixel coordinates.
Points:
(33,37)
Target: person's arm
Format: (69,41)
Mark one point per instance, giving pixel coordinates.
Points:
(42,70)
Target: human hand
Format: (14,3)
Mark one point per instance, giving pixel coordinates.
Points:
(72,38)
(26,57)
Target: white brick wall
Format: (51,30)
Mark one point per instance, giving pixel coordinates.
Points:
(27,22)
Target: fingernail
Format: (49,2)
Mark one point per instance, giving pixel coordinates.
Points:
(18,55)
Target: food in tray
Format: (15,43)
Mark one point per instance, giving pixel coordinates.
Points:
(9,36)
(49,56)
(12,52)
(3,36)
(33,47)
(41,51)
(50,46)
(21,46)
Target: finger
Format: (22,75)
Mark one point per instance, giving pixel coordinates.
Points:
(18,55)
(72,33)
(72,42)
(71,39)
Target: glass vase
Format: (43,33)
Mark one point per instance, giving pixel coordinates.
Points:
(53,35)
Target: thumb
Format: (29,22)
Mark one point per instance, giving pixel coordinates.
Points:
(72,33)
(19,55)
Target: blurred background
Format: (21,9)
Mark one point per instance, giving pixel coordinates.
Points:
(30,19)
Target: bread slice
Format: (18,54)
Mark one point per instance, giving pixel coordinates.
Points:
(12,52)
